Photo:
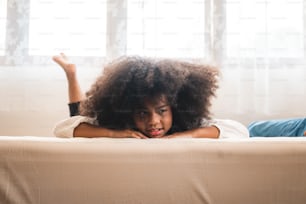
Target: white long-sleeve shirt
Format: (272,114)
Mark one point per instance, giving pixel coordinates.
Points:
(227,128)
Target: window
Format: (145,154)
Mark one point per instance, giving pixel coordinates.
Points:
(264,29)
(166,28)
(216,30)
(2,26)
(72,26)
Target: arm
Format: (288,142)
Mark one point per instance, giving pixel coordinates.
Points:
(80,126)
(90,131)
(217,129)
(202,132)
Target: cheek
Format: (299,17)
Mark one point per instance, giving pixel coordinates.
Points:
(168,119)
(138,123)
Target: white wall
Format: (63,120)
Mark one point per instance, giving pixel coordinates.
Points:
(33,99)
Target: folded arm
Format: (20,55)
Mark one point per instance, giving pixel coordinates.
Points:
(216,129)
(80,126)
(89,130)
(203,132)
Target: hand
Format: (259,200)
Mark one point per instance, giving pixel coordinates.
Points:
(178,135)
(128,134)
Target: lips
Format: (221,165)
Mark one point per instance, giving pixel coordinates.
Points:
(155,132)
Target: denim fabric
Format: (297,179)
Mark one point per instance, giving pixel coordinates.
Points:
(293,127)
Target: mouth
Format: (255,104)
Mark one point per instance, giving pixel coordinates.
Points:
(156,132)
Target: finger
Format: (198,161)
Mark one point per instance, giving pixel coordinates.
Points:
(138,135)
(141,136)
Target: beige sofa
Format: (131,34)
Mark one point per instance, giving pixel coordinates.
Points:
(47,170)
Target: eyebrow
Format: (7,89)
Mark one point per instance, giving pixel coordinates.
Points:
(161,106)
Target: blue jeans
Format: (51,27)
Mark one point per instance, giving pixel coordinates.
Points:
(294,127)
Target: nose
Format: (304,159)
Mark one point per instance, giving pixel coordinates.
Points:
(154,119)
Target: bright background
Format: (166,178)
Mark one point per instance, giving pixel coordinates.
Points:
(258,45)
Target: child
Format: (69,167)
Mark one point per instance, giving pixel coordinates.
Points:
(143,98)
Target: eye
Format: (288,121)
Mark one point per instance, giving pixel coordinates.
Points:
(141,113)
(162,110)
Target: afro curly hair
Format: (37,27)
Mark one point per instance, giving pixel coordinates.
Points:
(188,88)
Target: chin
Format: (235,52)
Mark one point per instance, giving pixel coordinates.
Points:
(158,136)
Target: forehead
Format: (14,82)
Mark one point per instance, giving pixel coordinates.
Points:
(158,100)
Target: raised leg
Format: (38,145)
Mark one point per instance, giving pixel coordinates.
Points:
(74,90)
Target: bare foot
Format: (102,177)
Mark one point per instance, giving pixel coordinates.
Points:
(63,61)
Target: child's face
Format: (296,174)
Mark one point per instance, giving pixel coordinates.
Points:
(154,119)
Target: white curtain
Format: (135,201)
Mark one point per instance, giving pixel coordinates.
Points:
(259,45)
(263,58)
(166,28)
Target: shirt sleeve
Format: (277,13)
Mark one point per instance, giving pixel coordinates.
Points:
(228,128)
(65,128)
